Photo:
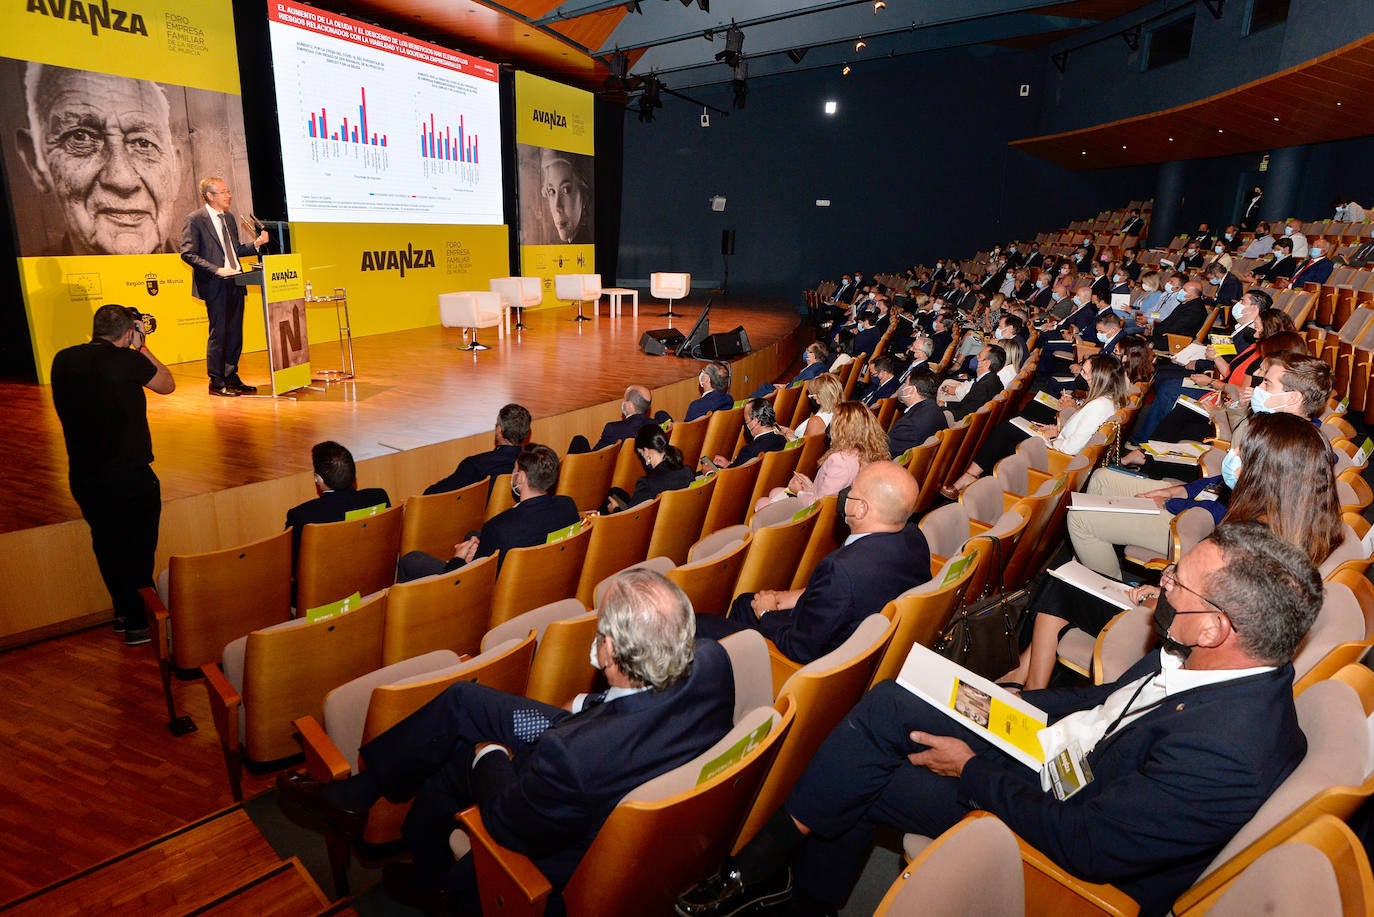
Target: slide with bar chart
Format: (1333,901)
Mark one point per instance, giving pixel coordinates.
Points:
(382,128)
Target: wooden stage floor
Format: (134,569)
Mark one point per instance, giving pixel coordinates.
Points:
(414,388)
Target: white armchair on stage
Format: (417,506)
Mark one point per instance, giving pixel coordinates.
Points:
(578,288)
(471,311)
(517,293)
(670,287)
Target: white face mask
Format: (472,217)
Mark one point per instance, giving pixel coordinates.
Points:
(1288,230)
(595,658)
(1219,249)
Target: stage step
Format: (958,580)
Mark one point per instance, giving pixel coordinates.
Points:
(219,865)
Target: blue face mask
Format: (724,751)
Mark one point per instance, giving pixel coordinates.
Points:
(1103,337)
(1214,281)
(1260,401)
(1230,467)
(1238,312)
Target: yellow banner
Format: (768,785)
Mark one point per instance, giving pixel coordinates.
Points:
(393,274)
(552,115)
(177,41)
(62,293)
(548,261)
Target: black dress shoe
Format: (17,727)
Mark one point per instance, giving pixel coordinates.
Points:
(301,801)
(726,893)
(243,388)
(224,391)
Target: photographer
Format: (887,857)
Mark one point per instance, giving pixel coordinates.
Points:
(97,389)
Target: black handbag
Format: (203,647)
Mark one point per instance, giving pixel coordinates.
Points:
(982,637)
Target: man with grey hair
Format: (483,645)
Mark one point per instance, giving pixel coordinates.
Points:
(544,778)
(1181,750)
(714,381)
(101,146)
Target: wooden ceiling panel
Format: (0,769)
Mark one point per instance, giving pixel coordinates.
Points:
(1315,102)
(592,30)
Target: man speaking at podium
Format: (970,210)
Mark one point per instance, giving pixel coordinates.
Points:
(210,244)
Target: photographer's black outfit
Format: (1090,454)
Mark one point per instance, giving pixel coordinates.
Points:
(97,389)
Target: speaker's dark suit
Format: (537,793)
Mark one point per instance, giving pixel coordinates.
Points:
(1169,789)
(983,390)
(331,506)
(848,585)
(708,402)
(201,248)
(917,424)
(566,773)
(476,468)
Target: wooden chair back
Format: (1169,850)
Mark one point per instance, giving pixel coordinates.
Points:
(801,410)
(1363,590)
(560,670)
(434,523)
(538,575)
(338,559)
(775,470)
(638,863)
(689,436)
(774,553)
(287,671)
(439,612)
(812,448)
(618,541)
(822,541)
(731,498)
(628,467)
(500,498)
(219,596)
(920,614)
(785,403)
(949,439)
(680,517)
(722,429)
(587,476)
(710,583)
(822,693)
(973,434)
(886,411)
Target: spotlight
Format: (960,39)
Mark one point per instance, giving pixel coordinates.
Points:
(652,89)
(860,45)
(734,46)
(845,71)
(619,65)
(878,5)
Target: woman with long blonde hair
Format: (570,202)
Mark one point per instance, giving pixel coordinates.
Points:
(856,439)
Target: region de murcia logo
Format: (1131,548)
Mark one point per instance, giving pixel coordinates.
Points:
(150,281)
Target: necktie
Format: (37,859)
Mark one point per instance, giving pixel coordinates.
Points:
(231,260)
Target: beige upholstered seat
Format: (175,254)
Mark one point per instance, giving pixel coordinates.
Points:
(670,286)
(974,868)
(470,311)
(578,288)
(518,293)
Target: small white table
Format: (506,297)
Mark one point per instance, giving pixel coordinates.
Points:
(616,294)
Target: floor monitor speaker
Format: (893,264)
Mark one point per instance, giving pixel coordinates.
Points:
(657,343)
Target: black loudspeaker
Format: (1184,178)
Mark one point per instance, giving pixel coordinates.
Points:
(657,343)
(727,241)
(726,344)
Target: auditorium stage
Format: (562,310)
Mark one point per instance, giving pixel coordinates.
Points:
(230,467)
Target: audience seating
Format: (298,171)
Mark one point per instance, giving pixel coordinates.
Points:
(689,436)
(812,448)
(973,868)
(921,613)
(638,863)
(338,559)
(587,476)
(434,523)
(537,575)
(213,598)
(775,470)
(470,311)
(680,517)
(278,674)
(500,498)
(774,554)
(721,432)
(710,581)
(618,541)
(362,709)
(448,611)
(822,692)
(730,501)
(560,669)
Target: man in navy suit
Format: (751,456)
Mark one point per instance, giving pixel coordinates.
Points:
(882,558)
(634,413)
(210,244)
(544,778)
(714,380)
(1317,269)
(1226,288)
(336,482)
(921,417)
(884,381)
(538,512)
(512,431)
(1186,319)
(1183,749)
(985,386)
